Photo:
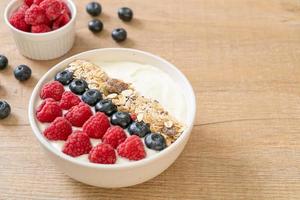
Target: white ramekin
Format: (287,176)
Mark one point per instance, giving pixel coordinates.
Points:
(43,46)
(125,174)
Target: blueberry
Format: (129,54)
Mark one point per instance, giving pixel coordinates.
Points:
(106,106)
(122,119)
(155,141)
(125,14)
(95,25)
(92,97)
(94,8)
(78,86)
(140,129)
(22,72)
(4,109)
(119,34)
(64,77)
(3,62)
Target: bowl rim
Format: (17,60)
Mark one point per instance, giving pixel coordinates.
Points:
(49,147)
(38,35)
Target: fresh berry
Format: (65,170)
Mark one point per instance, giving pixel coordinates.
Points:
(48,111)
(103,154)
(61,21)
(96,126)
(53,8)
(4,109)
(68,100)
(23,8)
(140,129)
(92,97)
(35,15)
(37,2)
(53,89)
(3,62)
(125,14)
(94,8)
(59,129)
(64,77)
(28,2)
(122,119)
(18,21)
(114,136)
(41,28)
(22,72)
(155,141)
(78,86)
(77,144)
(119,34)
(106,106)
(132,148)
(95,25)
(79,114)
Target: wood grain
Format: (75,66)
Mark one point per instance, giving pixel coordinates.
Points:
(242,58)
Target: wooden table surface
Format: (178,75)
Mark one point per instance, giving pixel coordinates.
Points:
(242,58)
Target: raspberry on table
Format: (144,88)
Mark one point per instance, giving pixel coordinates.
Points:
(53,8)
(48,111)
(18,21)
(114,136)
(96,126)
(103,154)
(59,129)
(61,21)
(53,89)
(132,148)
(41,28)
(77,144)
(68,100)
(79,114)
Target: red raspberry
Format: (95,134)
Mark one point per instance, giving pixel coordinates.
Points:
(77,144)
(37,2)
(68,100)
(53,8)
(96,126)
(18,21)
(28,2)
(65,9)
(79,114)
(132,148)
(61,21)
(59,129)
(23,8)
(103,154)
(41,28)
(53,89)
(48,111)
(35,15)
(114,136)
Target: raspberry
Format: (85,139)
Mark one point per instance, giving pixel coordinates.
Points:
(42,28)
(53,89)
(18,21)
(61,21)
(37,2)
(77,144)
(53,8)
(35,15)
(48,111)
(68,100)
(28,2)
(23,8)
(96,126)
(103,154)
(79,114)
(114,136)
(65,9)
(132,148)
(59,129)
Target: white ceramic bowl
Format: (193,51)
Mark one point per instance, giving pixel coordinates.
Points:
(43,46)
(125,174)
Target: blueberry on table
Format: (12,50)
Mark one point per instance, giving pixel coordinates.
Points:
(119,34)
(94,8)
(92,97)
(64,77)
(125,14)
(78,86)
(122,119)
(106,106)
(155,141)
(95,25)
(140,129)
(3,62)
(22,72)
(4,109)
